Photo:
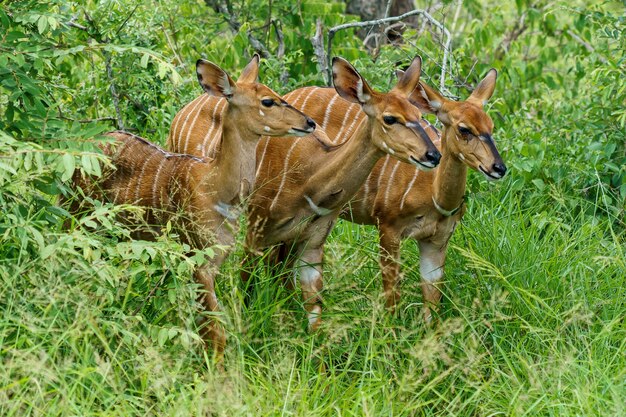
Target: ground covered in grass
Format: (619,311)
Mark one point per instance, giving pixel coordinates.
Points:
(93,323)
(532,324)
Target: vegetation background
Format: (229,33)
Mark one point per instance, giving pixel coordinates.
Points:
(533,320)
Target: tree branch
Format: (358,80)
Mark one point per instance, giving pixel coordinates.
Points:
(225,9)
(318,48)
(587,46)
(426,15)
(109,70)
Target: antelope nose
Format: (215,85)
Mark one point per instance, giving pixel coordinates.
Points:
(499,169)
(310,123)
(433,157)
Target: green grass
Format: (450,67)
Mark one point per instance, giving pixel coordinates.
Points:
(532,323)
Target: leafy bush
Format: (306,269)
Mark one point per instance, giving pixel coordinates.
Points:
(94,323)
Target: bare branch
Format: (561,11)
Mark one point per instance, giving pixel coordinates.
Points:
(72,23)
(318,47)
(107,62)
(587,46)
(226,10)
(284,73)
(117,32)
(113,89)
(426,15)
(98,119)
(388,8)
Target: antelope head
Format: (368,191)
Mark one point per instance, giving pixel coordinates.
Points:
(395,121)
(260,110)
(468,128)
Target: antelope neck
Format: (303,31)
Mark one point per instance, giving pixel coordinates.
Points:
(235,163)
(450,177)
(347,166)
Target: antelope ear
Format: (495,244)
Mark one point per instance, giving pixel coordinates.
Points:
(484,90)
(214,80)
(411,78)
(250,73)
(399,73)
(349,84)
(427,99)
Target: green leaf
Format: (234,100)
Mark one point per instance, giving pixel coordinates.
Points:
(42,24)
(7,168)
(69,165)
(53,22)
(47,251)
(185,340)
(539,183)
(4,19)
(163,336)
(144,60)
(85,161)
(171,333)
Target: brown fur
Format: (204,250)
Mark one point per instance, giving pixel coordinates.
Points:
(203,190)
(302,185)
(399,200)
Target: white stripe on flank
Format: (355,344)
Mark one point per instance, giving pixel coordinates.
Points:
(303,107)
(390,181)
(117,193)
(146,162)
(184,114)
(328,110)
(320,211)
(293,100)
(284,178)
(380,176)
(193,123)
(366,191)
(132,168)
(188,174)
(338,137)
(408,189)
(156,182)
(382,171)
(212,139)
(173,134)
(258,168)
(189,129)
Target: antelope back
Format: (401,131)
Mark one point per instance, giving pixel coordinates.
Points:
(246,106)
(339,118)
(145,175)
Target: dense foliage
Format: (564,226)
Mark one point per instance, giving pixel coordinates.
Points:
(533,322)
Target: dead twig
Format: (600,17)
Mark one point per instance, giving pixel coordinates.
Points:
(587,46)
(109,70)
(318,48)
(226,10)
(423,13)
(97,119)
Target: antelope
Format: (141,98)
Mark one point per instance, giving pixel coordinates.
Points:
(199,194)
(403,202)
(302,186)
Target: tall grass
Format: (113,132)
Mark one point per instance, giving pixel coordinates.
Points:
(532,323)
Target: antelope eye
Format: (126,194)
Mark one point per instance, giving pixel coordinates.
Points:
(389,120)
(465,131)
(267,102)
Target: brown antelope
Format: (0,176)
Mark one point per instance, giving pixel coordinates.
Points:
(403,202)
(198,194)
(301,186)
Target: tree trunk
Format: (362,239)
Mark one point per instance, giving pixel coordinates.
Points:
(375,9)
